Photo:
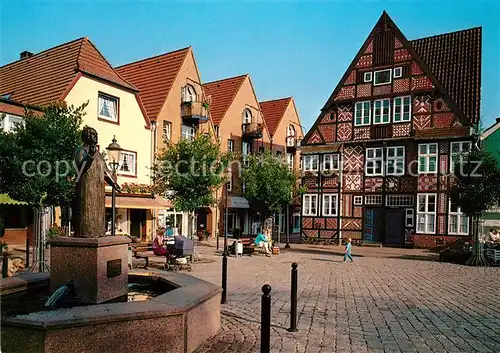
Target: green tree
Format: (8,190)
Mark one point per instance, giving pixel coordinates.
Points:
(189,173)
(36,158)
(476,189)
(269,183)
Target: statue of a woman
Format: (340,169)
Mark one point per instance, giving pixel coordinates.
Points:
(89,208)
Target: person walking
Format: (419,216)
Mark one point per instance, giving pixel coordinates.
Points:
(347,251)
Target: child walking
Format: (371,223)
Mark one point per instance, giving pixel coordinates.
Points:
(347,251)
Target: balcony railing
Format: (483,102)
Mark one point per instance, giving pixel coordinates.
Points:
(251,131)
(194,112)
(291,143)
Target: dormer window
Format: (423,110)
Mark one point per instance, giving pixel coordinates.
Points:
(368,77)
(398,72)
(382,77)
(188,94)
(247,116)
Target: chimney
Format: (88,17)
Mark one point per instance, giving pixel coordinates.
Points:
(25,54)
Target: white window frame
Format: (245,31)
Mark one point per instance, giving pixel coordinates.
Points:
(398,200)
(404,116)
(426,213)
(427,157)
(459,216)
(310,162)
(374,160)
(290,159)
(332,201)
(230,182)
(381,114)
(290,131)
(247,116)
(333,158)
(368,76)
(102,99)
(9,122)
(185,134)
(360,107)
(453,155)
(398,72)
(393,160)
(166,130)
(409,217)
(307,209)
(132,166)
(358,201)
(373,200)
(384,83)
(230,145)
(246,150)
(188,93)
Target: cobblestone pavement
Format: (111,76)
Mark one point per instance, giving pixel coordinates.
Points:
(388,300)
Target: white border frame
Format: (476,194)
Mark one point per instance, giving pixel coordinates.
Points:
(336,205)
(385,83)
(303,205)
(381,111)
(362,111)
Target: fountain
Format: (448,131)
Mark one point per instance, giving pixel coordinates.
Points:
(96,304)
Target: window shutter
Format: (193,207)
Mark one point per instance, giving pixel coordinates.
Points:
(360,76)
(405,71)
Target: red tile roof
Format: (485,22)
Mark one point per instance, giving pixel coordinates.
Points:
(46,76)
(273,112)
(154,78)
(15,108)
(455,59)
(222,94)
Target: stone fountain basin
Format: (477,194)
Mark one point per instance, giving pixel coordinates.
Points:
(177,321)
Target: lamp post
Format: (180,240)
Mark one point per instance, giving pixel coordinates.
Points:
(224,254)
(114,155)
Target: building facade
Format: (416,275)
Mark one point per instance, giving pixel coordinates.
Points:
(378,160)
(241,129)
(285,129)
(77,73)
(490,140)
(170,87)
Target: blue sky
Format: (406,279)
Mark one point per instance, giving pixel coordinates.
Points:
(298,49)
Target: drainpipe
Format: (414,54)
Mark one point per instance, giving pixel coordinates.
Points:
(153,161)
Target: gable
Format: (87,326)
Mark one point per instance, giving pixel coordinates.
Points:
(273,112)
(46,76)
(384,51)
(221,94)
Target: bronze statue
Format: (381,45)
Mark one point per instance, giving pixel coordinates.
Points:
(90,206)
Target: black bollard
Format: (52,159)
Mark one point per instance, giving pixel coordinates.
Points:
(293,299)
(224,279)
(265,320)
(5,265)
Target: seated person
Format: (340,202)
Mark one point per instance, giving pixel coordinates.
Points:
(494,235)
(158,248)
(263,241)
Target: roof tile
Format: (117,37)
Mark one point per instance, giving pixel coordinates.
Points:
(154,78)
(44,77)
(273,112)
(222,94)
(455,59)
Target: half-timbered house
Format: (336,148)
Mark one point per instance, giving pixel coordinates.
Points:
(377,161)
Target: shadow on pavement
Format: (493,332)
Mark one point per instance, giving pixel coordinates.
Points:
(228,313)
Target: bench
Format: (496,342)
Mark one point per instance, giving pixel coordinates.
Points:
(493,255)
(143,252)
(248,246)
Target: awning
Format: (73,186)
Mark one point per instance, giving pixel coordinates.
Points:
(6,200)
(146,203)
(237,202)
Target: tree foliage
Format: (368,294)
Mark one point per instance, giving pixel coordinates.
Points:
(190,171)
(35,156)
(269,183)
(476,183)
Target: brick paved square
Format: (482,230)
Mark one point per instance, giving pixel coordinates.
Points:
(389,300)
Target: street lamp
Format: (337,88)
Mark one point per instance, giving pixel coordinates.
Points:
(114,155)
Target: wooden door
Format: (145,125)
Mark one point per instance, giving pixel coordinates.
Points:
(395,230)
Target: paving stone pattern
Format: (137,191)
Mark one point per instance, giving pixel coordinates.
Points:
(385,301)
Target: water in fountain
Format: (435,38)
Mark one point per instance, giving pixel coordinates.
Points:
(63,291)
